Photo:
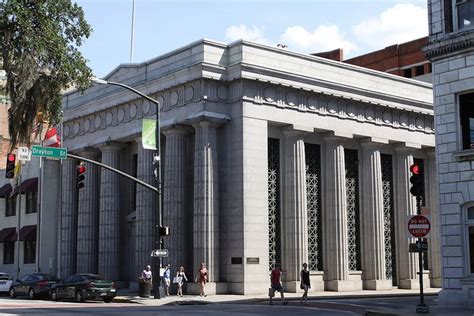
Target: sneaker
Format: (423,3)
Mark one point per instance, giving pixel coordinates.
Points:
(286,302)
(271,303)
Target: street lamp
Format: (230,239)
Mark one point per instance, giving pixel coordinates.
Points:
(157,171)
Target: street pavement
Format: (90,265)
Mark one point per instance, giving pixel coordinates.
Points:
(395,302)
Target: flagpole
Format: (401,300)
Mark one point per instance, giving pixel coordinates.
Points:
(132,31)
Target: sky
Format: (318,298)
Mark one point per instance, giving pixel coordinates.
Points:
(305,26)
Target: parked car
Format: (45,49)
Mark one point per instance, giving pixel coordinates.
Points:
(82,287)
(33,285)
(5,282)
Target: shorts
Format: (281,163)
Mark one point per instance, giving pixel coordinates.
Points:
(167,282)
(305,287)
(277,287)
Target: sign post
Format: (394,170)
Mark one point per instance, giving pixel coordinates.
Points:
(419,227)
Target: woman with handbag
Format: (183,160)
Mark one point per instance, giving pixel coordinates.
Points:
(180,278)
(305,283)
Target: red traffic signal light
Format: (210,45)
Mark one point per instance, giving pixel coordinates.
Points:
(415,169)
(10,166)
(80,170)
(416,180)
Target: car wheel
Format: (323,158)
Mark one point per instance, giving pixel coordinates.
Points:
(31,294)
(108,299)
(79,297)
(54,295)
(12,292)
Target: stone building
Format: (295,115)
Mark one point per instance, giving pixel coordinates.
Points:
(451,51)
(268,157)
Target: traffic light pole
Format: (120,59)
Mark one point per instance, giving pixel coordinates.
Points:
(421,307)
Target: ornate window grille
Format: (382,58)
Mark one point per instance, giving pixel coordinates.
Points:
(353,214)
(388,216)
(313,195)
(274,236)
(421,163)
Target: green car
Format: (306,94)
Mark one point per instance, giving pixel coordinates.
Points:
(82,287)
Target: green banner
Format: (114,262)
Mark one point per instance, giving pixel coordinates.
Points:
(149,134)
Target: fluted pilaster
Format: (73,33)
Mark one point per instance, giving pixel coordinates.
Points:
(68,219)
(434,243)
(336,261)
(295,219)
(145,210)
(372,220)
(407,262)
(206,208)
(174,195)
(88,217)
(109,232)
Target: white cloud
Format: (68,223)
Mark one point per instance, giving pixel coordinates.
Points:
(400,23)
(323,38)
(254,34)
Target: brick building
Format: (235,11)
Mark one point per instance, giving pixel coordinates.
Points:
(406,60)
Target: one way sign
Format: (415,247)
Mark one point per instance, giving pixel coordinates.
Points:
(159,253)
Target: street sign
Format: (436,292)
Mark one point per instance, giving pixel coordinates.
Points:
(51,152)
(418,226)
(159,253)
(24,154)
(419,246)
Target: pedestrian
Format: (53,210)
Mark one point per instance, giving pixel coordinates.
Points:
(275,280)
(147,275)
(180,279)
(305,283)
(202,278)
(167,279)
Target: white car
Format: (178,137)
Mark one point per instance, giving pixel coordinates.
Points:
(5,282)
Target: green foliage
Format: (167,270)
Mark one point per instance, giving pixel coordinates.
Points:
(39,41)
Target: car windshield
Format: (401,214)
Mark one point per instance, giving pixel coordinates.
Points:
(46,277)
(94,277)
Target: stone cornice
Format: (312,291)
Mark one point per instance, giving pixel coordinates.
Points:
(452,44)
(335,89)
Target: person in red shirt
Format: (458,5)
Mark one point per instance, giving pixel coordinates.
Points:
(275,280)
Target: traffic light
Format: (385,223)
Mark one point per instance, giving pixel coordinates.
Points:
(10,168)
(80,170)
(416,180)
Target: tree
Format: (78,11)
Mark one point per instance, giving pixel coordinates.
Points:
(39,41)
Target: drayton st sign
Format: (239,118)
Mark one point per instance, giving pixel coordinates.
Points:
(50,152)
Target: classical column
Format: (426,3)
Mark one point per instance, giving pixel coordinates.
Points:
(145,210)
(88,216)
(109,232)
(174,195)
(405,205)
(336,251)
(68,226)
(206,208)
(372,220)
(295,219)
(434,245)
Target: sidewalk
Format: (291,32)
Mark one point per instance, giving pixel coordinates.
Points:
(125,297)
